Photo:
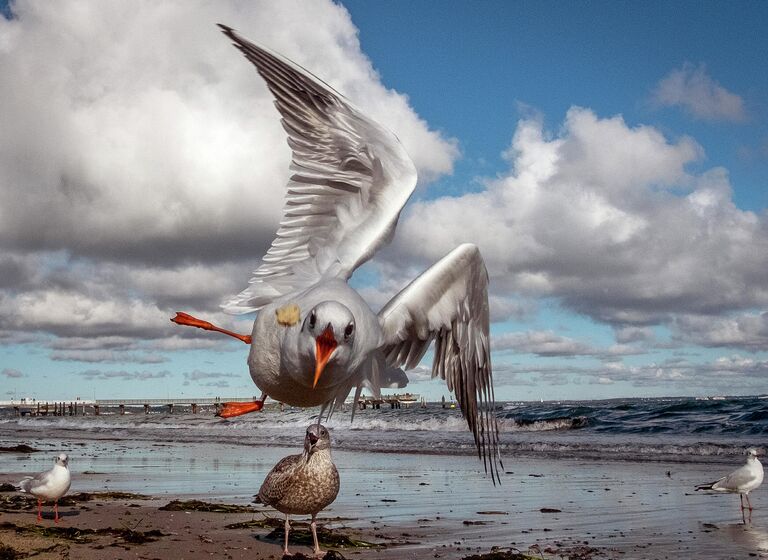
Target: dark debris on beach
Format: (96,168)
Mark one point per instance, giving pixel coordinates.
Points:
(25,502)
(21,448)
(301,535)
(77,535)
(208,507)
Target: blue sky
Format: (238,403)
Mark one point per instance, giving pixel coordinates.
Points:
(609,158)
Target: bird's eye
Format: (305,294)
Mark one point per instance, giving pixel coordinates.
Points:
(312,319)
(349,330)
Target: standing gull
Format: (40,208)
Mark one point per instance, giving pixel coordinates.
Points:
(49,485)
(303,484)
(741,481)
(315,339)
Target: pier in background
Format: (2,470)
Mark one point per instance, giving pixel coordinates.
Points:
(78,407)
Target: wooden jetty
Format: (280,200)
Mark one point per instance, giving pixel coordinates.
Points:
(397,400)
(78,407)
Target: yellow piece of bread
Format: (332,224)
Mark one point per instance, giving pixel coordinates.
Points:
(288,315)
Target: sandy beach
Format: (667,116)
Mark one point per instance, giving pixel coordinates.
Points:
(407,505)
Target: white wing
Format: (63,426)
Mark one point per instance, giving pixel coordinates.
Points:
(351,177)
(739,479)
(449,304)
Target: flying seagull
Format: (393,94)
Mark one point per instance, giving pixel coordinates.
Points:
(303,484)
(741,481)
(49,485)
(314,338)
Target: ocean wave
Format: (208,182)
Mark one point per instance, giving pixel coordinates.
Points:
(634,429)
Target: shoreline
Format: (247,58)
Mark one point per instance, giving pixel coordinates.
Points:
(429,506)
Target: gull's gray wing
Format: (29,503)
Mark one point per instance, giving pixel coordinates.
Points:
(448,303)
(735,481)
(350,179)
(29,483)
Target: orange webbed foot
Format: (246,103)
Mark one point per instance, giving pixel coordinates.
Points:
(230,409)
(188,320)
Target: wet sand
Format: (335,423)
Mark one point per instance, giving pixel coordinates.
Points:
(413,506)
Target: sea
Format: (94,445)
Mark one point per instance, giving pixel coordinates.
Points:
(680,430)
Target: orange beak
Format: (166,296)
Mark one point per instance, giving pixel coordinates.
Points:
(325,345)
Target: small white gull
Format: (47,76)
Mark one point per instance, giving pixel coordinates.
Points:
(49,485)
(315,339)
(741,481)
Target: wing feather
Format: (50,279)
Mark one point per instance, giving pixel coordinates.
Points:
(350,178)
(449,304)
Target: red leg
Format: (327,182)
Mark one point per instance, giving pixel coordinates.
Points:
(56,511)
(39,509)
(190,321)
(230,409)
(748,503)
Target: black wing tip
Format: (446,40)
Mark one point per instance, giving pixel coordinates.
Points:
(227,30)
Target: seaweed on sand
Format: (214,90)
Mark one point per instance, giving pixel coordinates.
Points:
(501,555)
(78,535)
(300,533)
(11,503)
(9,553)
(88,496)
(197,505)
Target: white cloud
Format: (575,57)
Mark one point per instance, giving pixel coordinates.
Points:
(123,374)
(693,89)
(748,331)
(142,160)
(11,373)
(541,343)
(607,219)
(164,143)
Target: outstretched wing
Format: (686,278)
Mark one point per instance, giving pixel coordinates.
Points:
(350,179)
(449,304)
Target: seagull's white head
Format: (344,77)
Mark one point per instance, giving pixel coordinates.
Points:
(328,332)
(62,460)
(751,453)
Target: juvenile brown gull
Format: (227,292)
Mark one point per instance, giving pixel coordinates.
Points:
(303,484)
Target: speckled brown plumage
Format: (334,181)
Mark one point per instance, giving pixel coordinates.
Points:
(303,484)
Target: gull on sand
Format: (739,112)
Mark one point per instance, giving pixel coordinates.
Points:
(49,485)
(315,339)
(303,484)
(741,481)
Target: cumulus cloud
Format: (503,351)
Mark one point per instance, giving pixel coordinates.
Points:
(164,145)
(607,219)
(747,331)
(541,343)
(691,88)
(124,375)
(11,373)
(197,375)
(550,344)
(144,172)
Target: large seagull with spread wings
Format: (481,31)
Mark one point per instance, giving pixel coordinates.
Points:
(315,339)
